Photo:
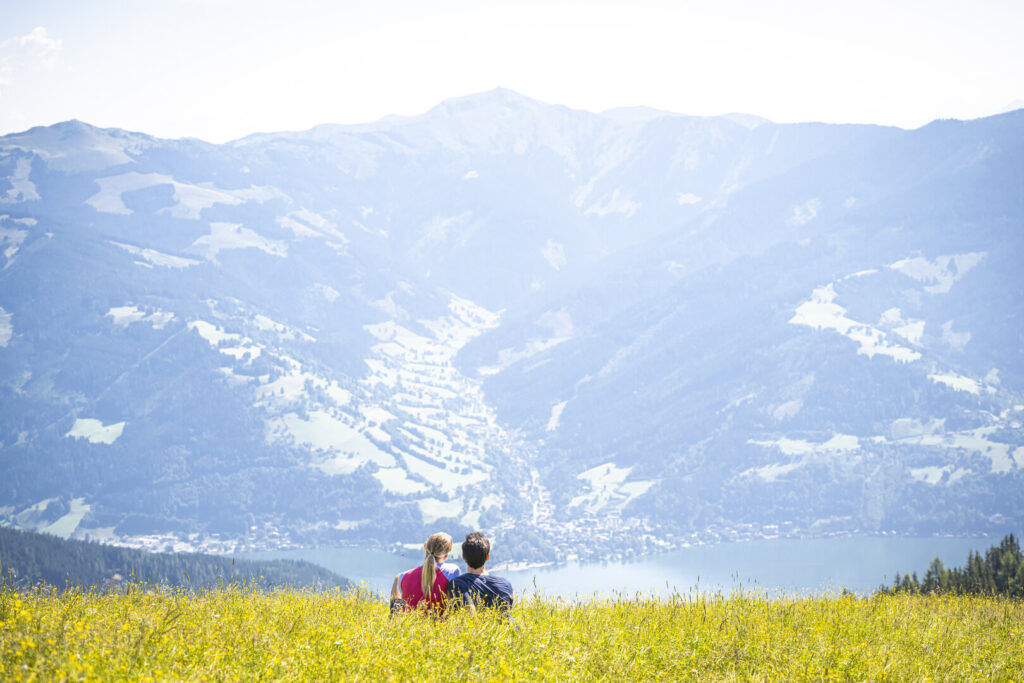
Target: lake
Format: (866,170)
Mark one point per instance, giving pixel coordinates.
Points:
(780,566)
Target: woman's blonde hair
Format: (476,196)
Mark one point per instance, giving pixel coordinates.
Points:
(436,547)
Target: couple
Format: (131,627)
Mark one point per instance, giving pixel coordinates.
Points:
(436,584)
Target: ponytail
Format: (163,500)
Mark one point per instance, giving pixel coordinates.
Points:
(428,575)
(436,547)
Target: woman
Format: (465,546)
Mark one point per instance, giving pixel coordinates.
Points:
(425,586)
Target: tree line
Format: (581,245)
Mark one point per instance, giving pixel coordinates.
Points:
(1000,571)
(27,558)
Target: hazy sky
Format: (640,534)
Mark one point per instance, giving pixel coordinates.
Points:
(221,69)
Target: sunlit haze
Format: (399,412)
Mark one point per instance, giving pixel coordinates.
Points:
(222,69)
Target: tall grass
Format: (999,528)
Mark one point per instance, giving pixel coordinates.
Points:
(237,634)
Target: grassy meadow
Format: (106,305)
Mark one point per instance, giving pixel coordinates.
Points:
(236,634)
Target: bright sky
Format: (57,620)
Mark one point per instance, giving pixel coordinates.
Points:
(221,69)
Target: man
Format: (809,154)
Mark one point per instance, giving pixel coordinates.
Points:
(477,588)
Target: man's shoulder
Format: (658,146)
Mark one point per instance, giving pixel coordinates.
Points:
(500,582)
(464,580)
(467,580)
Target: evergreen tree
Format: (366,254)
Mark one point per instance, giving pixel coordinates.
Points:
(999,572)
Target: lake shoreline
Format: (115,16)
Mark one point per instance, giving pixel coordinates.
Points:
(780,566)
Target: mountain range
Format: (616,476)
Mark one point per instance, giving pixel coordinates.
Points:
(589,335)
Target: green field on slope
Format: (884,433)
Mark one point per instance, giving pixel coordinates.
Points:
(238,634)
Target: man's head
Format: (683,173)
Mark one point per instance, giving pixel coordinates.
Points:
(476,550)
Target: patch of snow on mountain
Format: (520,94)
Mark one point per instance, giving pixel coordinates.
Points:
(396,480)
(772,472)
(508,357)
(608,488)
(617,202)
(859,273)
(11,239)
(958,382)
(66,525)
(911,330)
(445,479)
(288,390)
(556,416)
(326,291)
(821,313)
(804,451)
(305,223)
(955,340)
(446,427)
(265,324)
(433,509)
(300,229)
(126,315)
(375,414)
(805,213)
(976,440)
(788,446)
(839,443)
(95,431)
(254,193)
(224,236)
(957,475)
(943,272)
(28,222)
(153,257)
(554,253)
(686,198)
(22,189)
(216,337)
(211,333)
(342,448)
(929,475)
(6,328)
(933,474)
(787,410)
(190,200)
(390,306)
(470,175)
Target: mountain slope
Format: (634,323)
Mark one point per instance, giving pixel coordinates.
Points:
(558,326)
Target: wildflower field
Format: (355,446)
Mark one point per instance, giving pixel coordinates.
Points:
(233,633)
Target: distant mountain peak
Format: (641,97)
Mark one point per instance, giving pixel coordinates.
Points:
(498,97)
(746,120)
(74,145)
(637,114)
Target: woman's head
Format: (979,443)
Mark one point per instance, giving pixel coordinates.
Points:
(435,551)
(439,545)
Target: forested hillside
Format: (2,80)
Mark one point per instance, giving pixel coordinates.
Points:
(569,330)
(27,558)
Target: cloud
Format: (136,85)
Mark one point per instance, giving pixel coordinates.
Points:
(40,45)
(22,53)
